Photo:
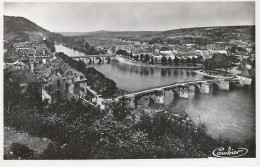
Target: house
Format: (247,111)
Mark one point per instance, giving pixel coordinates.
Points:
(165,50)
(19,65)
(55,89)
(245,78)
(74,74)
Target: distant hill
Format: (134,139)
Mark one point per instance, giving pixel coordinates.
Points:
(218,33)
(206,30)
(22,29)
(119,33)
(18,29)
(70,34)
(104,33)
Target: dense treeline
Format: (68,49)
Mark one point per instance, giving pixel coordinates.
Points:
(98,82)
(145,58)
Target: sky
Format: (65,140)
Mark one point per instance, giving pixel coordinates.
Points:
(132,16)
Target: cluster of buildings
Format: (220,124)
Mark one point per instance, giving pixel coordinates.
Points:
(36,69)
(185,49)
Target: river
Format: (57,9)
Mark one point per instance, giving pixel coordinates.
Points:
(227,114)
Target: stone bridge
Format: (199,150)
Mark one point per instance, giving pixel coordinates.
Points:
(180,89)
(89,59)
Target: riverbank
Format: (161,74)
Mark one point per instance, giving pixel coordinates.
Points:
(137,63)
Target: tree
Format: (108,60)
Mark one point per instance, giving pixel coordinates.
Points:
(120,109)
(170,60)
(51,45)
(176,60)
(87,45)
(199,59)
(194,60)
(152,60)
(147,58)
(218,61)
(188,60)
(164,60)
(226,64)
(92,51)
(182,61)
(119,52)
(155,60)
(131,55)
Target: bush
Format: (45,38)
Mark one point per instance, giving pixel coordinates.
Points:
(20,151)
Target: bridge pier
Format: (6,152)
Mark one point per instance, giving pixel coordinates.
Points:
(224,85)
(183,92)
(159,97)
(206,87)
(132,102)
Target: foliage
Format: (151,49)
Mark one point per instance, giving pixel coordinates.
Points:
(147,58)
(120,109)
(20,151)
(182,61)
(51,44)
(170,60)
(152,60)
(164,60)
(194,60)
(188,60)
(87,45)
(176,60)
(218,61)
(79,132)
(122,52)
(92,51)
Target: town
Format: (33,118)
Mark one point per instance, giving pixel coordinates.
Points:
(36,64)
(101,83)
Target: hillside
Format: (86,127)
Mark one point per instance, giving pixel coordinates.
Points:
(18,29)
(21,29)
(19,24)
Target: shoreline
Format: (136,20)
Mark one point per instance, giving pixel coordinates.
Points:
(126,61)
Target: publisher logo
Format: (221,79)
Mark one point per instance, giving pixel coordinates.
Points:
(221,152)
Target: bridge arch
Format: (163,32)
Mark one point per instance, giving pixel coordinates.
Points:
(90,60)
(100,60)
(194,87)
(108,59)
(173,90)
(232,85)
(215,86)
